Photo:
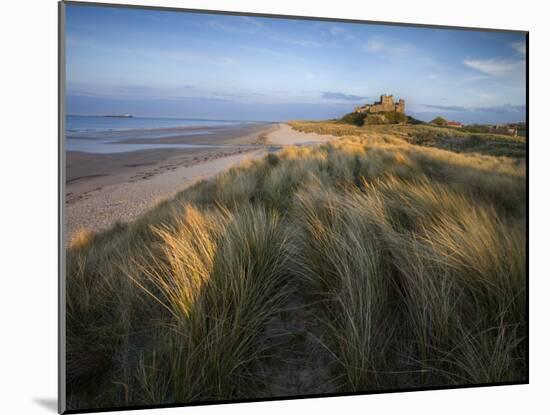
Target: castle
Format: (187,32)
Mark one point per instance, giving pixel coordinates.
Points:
(386,104)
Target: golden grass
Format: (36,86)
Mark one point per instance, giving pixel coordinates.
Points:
(413,259)
(448,138)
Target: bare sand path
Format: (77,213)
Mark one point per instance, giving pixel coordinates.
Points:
(101,200)
(285,135)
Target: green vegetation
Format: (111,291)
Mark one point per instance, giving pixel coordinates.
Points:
(395,117)
(522,130)
(439,121)
(354,118)
(413,121)
(361,118)
(476,128)
(406,263)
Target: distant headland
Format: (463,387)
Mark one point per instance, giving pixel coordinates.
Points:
(119,116)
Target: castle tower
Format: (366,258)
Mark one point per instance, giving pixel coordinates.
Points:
(386,99)
(400,106)
(386,102)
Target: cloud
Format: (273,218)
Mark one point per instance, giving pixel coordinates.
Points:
(503,109)
(131,90)
(481,94)
(497,109)
(341,96)
(189,56)
(214,24)
(520,47)
(247,24)
(338,31)
(474,78)
(495,67)
(253,21)
(265,51)
(299,42)
(166,55)
(279,37)
(162,92)
(77,41)
(445,107)
(374,45)
(380,45)
(259,29)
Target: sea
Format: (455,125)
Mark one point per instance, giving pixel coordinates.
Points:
(105,135)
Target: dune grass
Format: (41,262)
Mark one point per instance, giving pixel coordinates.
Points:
(412,260)
(447,138)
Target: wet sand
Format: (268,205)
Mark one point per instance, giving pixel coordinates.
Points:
(102,189)
(226,135)
(88,173)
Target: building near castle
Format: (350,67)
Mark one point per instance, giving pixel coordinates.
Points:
(507,129)
(386,104)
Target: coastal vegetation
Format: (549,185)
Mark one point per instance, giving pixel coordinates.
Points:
(461,140)
(394,253)
(439,121)
(385,117)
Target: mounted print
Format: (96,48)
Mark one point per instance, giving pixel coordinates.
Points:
(258,207)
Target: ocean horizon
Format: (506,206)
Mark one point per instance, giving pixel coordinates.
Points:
(104,123)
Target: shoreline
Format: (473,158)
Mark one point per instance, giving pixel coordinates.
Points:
(102,189)
(181,134)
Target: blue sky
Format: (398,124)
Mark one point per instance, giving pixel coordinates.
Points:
(160,63)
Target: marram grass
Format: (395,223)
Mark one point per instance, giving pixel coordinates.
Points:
(410,261)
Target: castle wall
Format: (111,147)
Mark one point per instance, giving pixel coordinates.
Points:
(378,108)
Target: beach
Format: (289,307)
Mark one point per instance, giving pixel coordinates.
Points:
(105,188)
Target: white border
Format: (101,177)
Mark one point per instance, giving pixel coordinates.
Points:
(29,204)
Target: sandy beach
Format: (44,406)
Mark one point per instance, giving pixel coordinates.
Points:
(102,189)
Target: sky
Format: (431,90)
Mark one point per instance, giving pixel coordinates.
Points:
(194,65)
